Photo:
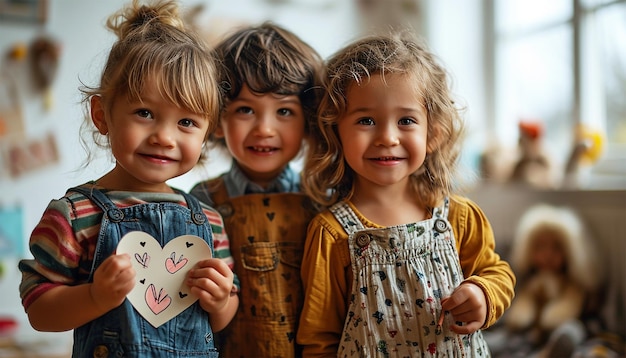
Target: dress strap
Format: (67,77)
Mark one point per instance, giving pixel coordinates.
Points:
(346,217)
(442,211)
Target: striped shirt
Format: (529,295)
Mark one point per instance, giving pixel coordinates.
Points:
(64,241)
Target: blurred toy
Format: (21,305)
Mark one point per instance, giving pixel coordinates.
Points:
(587,149)
(533,165)
(496,161)
(557,274)
(45,55)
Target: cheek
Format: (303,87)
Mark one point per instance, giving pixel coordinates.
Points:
(192,146)
(234,134)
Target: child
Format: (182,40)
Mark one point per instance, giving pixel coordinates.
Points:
(397,266)
(156,105)
(270,79)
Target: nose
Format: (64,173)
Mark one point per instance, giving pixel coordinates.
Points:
(163,135)
(265,125)
(387,136)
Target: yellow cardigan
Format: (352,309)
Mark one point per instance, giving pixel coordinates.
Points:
(327,273)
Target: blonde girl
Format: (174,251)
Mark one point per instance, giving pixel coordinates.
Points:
(155,107)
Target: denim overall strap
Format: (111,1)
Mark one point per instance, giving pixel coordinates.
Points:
(196,210)
(123,332)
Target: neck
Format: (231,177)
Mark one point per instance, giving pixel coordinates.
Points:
(389,206)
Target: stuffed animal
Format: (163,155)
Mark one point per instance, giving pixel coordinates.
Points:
(533,166)
(557,272)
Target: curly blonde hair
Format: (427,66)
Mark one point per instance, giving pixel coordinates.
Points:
(155,46)
(326,176)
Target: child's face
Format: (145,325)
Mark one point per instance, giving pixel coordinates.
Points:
(263,132)
(152,140)
(383,133)
(547,251)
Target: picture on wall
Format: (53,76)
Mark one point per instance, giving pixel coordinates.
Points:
(30,11)
(11,231)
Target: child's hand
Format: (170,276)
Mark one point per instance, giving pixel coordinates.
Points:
(112,281)
(212,281)
(467,304)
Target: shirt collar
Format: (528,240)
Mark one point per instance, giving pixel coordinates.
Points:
(237,183)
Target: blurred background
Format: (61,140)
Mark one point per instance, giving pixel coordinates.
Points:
(543,84)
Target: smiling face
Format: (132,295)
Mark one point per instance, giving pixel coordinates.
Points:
(383,132)
(263,132)
(152,140)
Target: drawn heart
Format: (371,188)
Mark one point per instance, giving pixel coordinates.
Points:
(161,273)
(157,303)
(172,265)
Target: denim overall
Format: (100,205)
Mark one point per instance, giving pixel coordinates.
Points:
(267,234)
(400,275)
(122,332)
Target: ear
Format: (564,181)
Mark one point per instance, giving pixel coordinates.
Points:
(97,114)
(219,131)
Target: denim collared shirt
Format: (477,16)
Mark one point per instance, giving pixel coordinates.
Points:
(238,184)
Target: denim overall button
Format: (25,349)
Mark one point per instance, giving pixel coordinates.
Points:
(100,351)
(363,240)
(199,218)
(441,225)
(115,215)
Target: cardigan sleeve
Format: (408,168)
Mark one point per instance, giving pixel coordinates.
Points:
(326,276)
(480,263)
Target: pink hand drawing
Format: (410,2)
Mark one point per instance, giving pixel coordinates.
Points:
(157,303)
(172,265)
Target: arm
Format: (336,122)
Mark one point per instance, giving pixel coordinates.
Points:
(481,265)
(54,288)
(325,271)
(66,307)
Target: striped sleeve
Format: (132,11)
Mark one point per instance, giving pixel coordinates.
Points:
(57,254)
(221,244)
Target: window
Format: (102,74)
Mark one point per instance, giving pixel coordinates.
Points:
(563,63)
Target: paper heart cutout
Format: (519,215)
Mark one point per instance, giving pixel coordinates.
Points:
(160,292)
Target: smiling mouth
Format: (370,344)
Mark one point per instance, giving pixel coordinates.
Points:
(386,159)
(158,157)
(263,149)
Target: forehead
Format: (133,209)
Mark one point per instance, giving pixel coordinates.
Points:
(379,89)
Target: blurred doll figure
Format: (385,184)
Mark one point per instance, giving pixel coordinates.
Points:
(558,275)
(534,166)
